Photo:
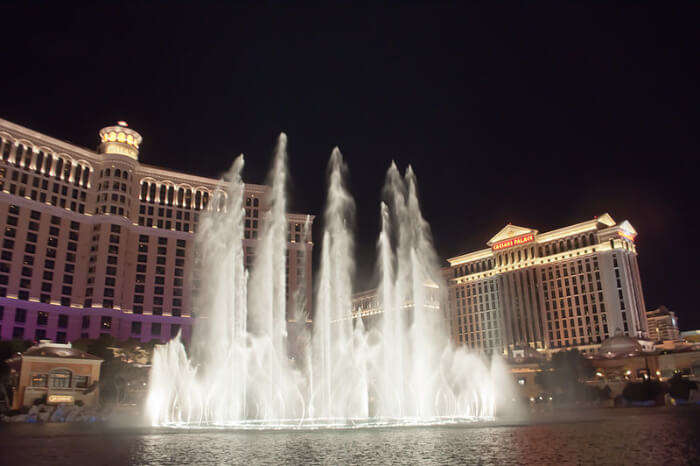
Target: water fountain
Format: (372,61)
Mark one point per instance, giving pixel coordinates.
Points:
(403,370)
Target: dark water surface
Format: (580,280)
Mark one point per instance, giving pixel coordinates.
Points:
(597,436)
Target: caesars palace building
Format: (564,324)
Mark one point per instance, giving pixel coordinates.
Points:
(570,287)
(97,243)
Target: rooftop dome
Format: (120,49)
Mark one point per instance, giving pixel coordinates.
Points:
(120,139)
(620,345)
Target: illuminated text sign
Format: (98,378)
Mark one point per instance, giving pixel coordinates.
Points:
(509,243)
(624,234)
(60,399)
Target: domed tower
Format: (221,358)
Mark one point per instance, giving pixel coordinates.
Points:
(120,139)
(115,183)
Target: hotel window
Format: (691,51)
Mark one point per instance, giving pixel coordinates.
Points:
(106,322)
(81,381)
(155,328)
(18,332)
(20,315)
(136,328)
(40,380)
(42,318)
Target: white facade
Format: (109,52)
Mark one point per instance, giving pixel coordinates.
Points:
(570,287)
(94,242)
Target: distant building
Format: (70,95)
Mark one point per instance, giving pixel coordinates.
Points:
(692,336)
(58,372)
(366,305)
(567,288)
(663,324)
(95,242)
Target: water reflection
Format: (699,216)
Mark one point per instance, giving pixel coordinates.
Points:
(645,436)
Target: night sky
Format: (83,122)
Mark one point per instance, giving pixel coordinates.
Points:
(540,116)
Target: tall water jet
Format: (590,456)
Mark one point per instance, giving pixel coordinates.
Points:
(390,393)
(276,394)
(219,337)
(339,379)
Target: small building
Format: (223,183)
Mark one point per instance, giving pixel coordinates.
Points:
(59,372)
(663,325)
(691,336)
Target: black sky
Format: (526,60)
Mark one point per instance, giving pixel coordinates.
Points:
(540,115)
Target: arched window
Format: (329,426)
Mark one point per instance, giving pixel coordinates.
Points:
(591,239)
(86,176)
(4,149)
(117,173)
(47,164)
(60,378)
(255,202)
(144,190)
(576,246)
(66,170)
(197,200)
(171,195)
(39,161)
(107,172)
(78,174)
(205,200)
(152,192)
(22,153)
(180,196)
(188,198)
(161,200)
(59,168)
(125,175)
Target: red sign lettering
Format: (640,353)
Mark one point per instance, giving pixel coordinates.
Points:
(509,243)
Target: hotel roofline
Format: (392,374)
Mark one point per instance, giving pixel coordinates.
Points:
(511,231)
(17,133)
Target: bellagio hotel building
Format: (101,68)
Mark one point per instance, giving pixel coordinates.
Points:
(567,288)
(94,242)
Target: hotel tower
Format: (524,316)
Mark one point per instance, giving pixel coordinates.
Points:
(567,288)
(95,242)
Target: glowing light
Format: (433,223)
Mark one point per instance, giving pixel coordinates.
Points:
(509,243)
(629,236)
(60,399)
(122,123)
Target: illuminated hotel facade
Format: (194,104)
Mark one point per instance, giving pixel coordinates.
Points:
(94,242)
(568,288)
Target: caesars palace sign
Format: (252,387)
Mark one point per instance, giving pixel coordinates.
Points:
(509,243)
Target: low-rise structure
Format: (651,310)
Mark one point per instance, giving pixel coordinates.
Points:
(663,324)
(57,372)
